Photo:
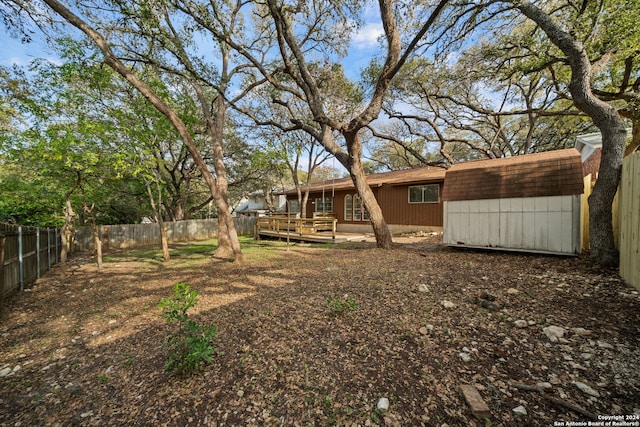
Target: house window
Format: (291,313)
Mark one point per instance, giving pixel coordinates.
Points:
(354,209)
(294,206)
(429,193)
(357,208)
(324,205)
(348,207)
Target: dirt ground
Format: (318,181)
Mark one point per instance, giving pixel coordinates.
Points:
(86,347)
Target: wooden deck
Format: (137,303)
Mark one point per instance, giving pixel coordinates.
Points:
(322,230)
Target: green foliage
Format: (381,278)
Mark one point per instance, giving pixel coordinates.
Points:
(341,305)
(190,344)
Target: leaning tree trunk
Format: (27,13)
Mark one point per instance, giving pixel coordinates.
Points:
(161,225)
(228,242)
(378,223)
(66,233)
(97,244)
(607,119)
(114,62)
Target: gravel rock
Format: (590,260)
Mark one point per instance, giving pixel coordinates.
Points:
(466,357)
(521,323)
(603,344)
(554,333)
(581,332)
(383,404)
(520,410)
(586,389)
(448,304)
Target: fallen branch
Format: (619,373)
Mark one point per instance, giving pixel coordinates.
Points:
(557,401)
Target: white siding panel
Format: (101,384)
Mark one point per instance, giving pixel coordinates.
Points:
(516,205)
(528,230)
(529,204)
(554,231)
(554,203)
(494,229)
(541,204)
(549,224)
(515,229)
(540,230)
(504,227)
(567,232)
(483,205)
(482,227)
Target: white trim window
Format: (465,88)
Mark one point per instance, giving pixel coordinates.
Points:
(325,205)
(354,209)
(427,193)
(348,207)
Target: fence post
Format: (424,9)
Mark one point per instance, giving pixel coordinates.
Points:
(38,252)
(3,239)
(56,244)
(48,248)
(20,259)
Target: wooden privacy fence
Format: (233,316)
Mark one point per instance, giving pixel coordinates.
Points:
(26,253)
(127,236)
(629,218)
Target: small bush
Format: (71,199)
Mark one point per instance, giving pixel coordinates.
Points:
(341,305)
(190,344)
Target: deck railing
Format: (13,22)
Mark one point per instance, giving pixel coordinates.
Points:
(300,226)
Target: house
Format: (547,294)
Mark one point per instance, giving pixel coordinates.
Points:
(590,147)
(410,200)
(255,205)
(527,203)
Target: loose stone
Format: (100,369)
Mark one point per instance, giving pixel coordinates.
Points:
(383,404)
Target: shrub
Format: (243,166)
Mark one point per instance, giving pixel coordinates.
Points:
(190,344)
(338,305)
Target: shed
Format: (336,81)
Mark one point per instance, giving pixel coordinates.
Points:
(527,203)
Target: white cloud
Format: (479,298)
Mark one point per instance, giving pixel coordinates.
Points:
(367,35)
(16,60)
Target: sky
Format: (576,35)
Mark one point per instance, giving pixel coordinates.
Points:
(14,52)
(363,45)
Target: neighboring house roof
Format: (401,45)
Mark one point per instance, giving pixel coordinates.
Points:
(589,143)
(407,176)
(551,173)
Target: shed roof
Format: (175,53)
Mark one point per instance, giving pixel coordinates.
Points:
(406,176)
(551,173)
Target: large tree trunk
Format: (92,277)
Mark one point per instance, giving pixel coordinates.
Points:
(66,233)
(97,244)
(113,61)
(228,242)
(378,223)
(161,226)
(607,119)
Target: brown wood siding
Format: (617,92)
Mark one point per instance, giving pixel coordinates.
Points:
(394,202)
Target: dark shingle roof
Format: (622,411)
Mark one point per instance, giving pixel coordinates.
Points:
(407,176)
(551,173)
